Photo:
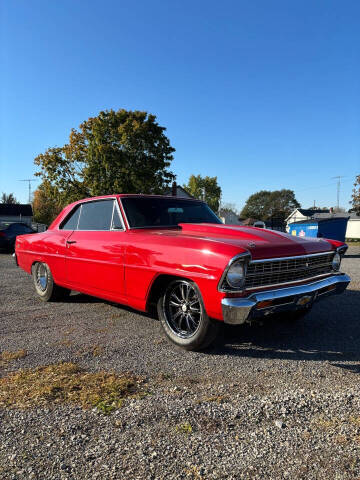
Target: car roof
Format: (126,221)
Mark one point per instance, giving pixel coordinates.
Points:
(132,195)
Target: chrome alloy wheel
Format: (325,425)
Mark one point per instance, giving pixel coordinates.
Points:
(42,276)
(182,309)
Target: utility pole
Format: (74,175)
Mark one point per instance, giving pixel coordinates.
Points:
(339,177)
(203,194)
(29,180)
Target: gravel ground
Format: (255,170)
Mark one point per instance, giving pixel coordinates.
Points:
(271,402)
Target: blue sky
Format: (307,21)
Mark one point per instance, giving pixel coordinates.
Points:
(265,95)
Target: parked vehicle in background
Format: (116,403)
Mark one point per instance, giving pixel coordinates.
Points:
(175,254)
(259,224)
(9,232)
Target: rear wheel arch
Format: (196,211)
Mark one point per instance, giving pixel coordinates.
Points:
(44,283)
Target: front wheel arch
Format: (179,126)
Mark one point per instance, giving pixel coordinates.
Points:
(157,288)
(197,334)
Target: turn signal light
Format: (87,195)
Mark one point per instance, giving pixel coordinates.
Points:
(264,304)
(332,287)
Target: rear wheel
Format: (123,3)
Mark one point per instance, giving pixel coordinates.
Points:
(44,283)
(182,314)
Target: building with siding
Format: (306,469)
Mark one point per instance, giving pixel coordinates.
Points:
(353,227)
(16,212)
(229,217)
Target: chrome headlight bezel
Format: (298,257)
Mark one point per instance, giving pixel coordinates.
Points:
(342,250)
(236,268)
(336,262)
(235,276)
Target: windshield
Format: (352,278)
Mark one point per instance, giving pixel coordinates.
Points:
(166,212)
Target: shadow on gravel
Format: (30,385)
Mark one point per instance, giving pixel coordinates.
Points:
(331,331)
(77,297)
(352,256)
(351,368)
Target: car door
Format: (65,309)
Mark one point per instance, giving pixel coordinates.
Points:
(94,258)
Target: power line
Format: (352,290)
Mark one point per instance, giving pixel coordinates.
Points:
(324,185)
(29,180)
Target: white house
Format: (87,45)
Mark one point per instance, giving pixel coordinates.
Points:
(229,217)
(15,212)
(300,214)
(353,227)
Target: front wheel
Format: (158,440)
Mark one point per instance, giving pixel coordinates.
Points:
(182,314)
(44,283)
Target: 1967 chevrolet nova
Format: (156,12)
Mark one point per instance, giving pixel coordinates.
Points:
(146,251)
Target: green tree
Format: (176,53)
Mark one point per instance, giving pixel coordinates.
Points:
(356,195)
(8,198)
(265,205)
(205,188)
(256,205)
(45,205)
(116,152)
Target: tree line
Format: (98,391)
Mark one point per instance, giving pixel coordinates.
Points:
(127,151)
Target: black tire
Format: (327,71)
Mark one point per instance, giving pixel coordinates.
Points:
(183,317)
(44,284)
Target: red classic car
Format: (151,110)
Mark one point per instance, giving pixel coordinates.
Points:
(174,253)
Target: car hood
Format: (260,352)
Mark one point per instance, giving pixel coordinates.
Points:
(262,243)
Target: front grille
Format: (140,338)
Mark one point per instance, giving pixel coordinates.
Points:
(294,269)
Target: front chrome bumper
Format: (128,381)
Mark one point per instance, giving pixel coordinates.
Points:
(240,310)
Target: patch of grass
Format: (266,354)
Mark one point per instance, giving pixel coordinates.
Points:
(67,383)
(97,350)
(355,420)
(8,356)
(325,423)
(184,428)
(216,398)
(194,472)
(117,316)
(166,376)
(341,439)
(65,343)
(94,350)
(105,329)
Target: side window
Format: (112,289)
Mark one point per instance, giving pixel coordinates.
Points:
(96,215)
(116,222)
(71,220)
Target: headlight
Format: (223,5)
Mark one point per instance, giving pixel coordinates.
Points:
(236,275)
(336,262)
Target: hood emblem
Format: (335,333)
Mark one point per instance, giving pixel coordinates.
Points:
(251,244)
